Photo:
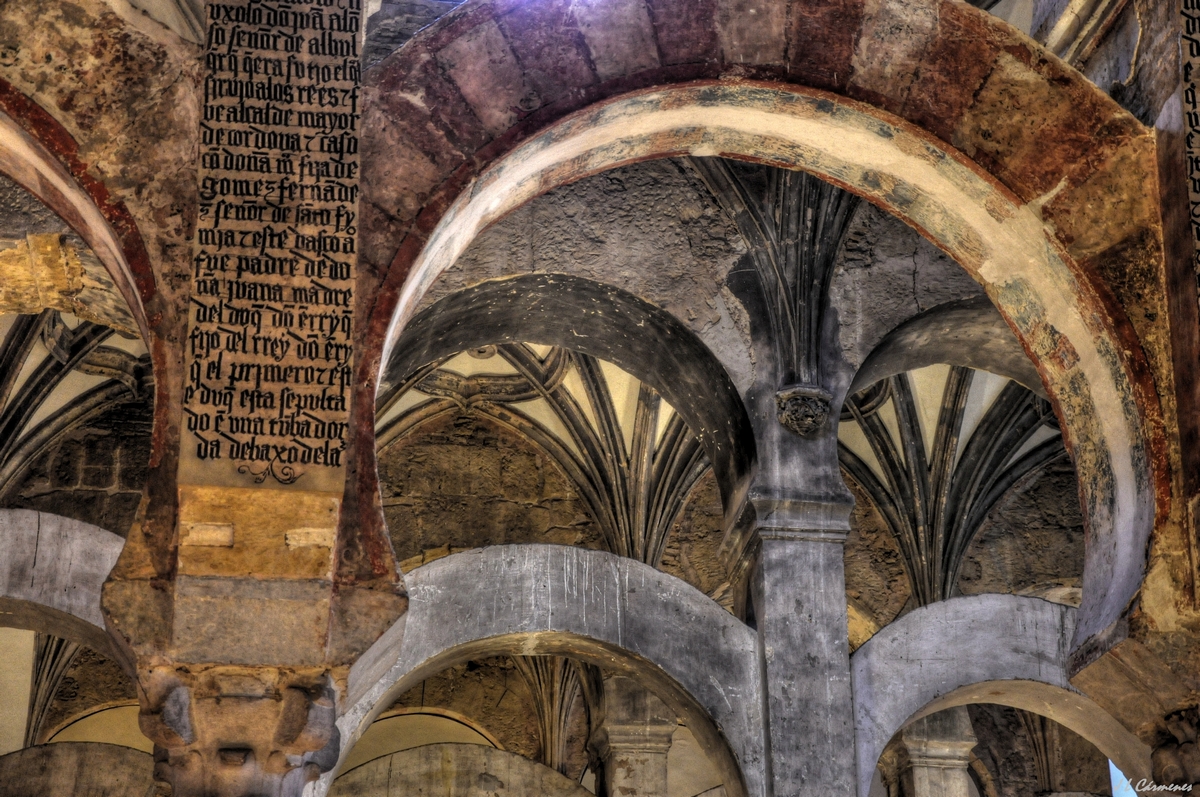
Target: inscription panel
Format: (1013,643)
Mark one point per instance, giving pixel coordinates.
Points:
(268,379)
(1191,117)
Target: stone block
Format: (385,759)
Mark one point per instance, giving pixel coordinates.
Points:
(821,42)
(752,32)
(1111,202)
(403,177)
(888,55)
(545,37)
(450,112)
(956,61)
(1029,123)
(686,30)
(483,66)
(250,621)
(237,531)
(618,35)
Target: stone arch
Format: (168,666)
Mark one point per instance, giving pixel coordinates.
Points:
(411,771)
(1040,211)
(578,314)
(590,605)
(990,648)
(38,153)
(968,332)
(53,570)
(1079,339)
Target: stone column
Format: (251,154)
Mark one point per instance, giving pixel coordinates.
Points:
(259,572)
(937,755)
(633,740)
(799,603)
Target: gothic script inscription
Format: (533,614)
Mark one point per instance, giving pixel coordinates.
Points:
(1191,130)
(1191,117)
(268,379)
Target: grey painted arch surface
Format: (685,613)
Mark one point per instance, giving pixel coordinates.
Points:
(1003,649)
(51,573)
(615,612)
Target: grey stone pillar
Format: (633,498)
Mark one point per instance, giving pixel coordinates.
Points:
(937,755)
(633,740)
(799,597)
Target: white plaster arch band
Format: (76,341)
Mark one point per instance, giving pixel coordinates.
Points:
(51,574)
(28,164)
(1004,245)
(559,600)
(1002,649)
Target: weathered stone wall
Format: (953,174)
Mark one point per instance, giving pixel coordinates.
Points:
(887,273)
(95,473)
(463,481)
(652,229)
(492,693)
(1032,540)
(876,581)
(76,769)
(693,547)
(1011,756)
(1031,543)
(454,770)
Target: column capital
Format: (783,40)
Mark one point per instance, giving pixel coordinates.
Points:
(633,739)
(822,518)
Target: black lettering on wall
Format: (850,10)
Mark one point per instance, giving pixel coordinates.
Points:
(269,350)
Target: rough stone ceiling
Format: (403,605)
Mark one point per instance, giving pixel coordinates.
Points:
(928,387)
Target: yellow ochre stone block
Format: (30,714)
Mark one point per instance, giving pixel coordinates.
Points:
(36,274)
(210,534)
(235,531)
